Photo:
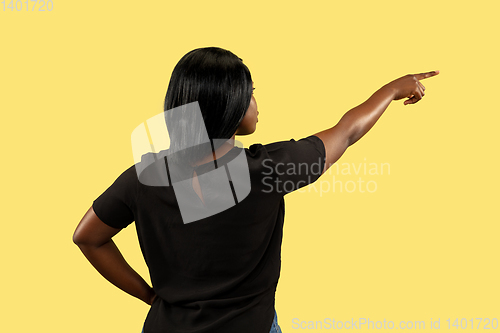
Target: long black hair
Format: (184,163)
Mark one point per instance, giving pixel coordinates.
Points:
(221,85)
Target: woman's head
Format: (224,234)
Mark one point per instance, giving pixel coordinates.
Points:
(221,84)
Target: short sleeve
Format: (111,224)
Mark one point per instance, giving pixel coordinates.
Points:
(295,164)
(116,205)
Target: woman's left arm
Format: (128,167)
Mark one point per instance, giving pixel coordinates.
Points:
(93,237)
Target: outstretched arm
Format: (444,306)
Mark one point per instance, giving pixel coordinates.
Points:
(359,120)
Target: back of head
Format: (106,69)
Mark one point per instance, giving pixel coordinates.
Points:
(221,84)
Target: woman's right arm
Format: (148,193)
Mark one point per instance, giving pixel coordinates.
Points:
(359,120)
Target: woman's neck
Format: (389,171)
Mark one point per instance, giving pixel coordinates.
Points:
(219,152)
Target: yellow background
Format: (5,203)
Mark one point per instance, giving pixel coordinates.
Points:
(77,80)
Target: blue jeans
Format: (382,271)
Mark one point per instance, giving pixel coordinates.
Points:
(274,327)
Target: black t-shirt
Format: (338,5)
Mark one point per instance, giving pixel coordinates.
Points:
(217,274)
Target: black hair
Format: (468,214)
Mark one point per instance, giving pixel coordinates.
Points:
(221,84)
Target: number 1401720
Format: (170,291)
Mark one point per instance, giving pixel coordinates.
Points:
(28,5)
(484,323)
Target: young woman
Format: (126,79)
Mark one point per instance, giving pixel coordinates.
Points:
(220,272)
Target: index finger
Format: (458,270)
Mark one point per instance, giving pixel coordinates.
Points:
(426,75)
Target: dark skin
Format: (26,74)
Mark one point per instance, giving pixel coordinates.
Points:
(359,120)
(94,237)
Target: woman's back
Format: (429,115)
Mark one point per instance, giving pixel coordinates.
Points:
(219,273)
(216,270)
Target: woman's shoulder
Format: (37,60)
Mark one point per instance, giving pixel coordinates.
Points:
(311,142)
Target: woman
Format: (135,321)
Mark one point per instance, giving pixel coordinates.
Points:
(218,272)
